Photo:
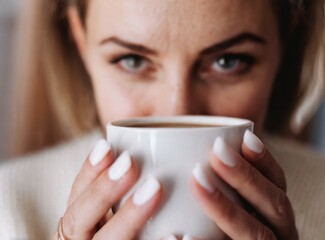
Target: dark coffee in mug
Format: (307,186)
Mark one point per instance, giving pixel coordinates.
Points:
(173,125)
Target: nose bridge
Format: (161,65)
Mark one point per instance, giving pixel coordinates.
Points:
(179,91)
(179,98)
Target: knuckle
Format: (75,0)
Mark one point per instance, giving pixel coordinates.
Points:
(282,205)
(103,195)
(282,181)
(69,224)
(282,185)
(87,174)
(96,236)
(251,177)
(74,193)
(228,210)
(265,234)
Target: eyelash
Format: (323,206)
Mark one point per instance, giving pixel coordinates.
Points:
(245,59)
(242,57)
(117,61)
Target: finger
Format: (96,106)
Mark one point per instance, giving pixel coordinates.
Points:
(81,218)
(134,214)
(99,159)
(258,155)
(269,200)
(55,236)
(189,237)
(169,237)
(230,218)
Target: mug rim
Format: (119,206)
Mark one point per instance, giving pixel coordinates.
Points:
(227,122)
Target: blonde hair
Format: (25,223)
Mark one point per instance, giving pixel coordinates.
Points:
(53,92)
(299,88)
(54,97)
(312,79)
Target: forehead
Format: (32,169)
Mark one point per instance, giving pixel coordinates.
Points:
(161,21)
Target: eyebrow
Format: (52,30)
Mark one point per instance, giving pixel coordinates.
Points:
(240,38)
(132,46)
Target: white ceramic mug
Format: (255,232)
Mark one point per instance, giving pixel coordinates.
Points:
(170,154)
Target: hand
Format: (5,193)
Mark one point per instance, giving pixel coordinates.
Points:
(259,179)
(101,183)
(184,237)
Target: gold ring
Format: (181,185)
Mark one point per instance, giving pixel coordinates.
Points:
(60,231)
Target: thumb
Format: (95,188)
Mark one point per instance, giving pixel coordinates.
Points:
(189,237)
(169,237)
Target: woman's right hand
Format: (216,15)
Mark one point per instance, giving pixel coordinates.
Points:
(101,183)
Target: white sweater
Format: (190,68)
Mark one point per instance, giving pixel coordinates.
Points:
(34,190)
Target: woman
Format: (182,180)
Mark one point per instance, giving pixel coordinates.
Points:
(98,61)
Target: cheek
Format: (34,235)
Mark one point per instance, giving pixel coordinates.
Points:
(250,102)
(114,98)
(111,103)
(114,102)
(253,106)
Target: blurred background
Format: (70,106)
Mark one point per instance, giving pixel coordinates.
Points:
(9,13)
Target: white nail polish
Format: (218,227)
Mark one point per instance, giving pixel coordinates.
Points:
(224,153)
(202,178)
(170,237)
(99,152)
(146,191)
(120,167)
(188,237)
(253,142)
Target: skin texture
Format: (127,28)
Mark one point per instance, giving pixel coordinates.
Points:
(171,83)
(150,57)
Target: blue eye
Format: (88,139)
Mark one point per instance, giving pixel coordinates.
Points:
(232,63)
(226,63)
(131,63)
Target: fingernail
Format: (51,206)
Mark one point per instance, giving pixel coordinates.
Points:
(99,152)
(146,191)
(188,237)
(120,167)
(170,237)
(202,178)
(253,142)
(224,153)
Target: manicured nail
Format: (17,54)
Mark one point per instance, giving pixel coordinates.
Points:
(188,237)
(224,153)
(202,178)
(146,191)
(120,167)
(253,142)
(99,152)
(170,237)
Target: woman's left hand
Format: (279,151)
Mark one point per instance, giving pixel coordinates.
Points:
(259,179)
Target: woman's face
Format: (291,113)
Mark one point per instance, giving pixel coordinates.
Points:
(207,57)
